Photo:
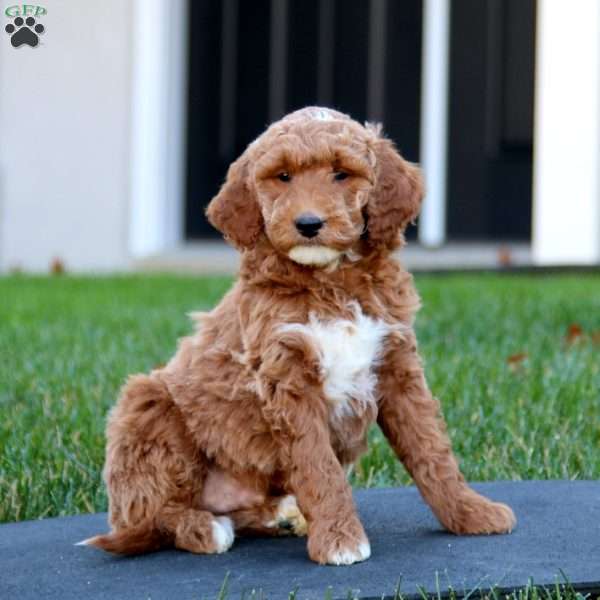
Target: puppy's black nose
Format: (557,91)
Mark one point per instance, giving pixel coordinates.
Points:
(308,224)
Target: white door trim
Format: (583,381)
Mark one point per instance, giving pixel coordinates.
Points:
(159,85)
(434,120)
(566,180)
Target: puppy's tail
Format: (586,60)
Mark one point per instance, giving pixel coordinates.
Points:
(138,539)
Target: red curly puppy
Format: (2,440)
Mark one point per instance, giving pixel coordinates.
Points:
(251,426)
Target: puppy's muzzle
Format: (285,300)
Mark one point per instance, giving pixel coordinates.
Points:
(309,224)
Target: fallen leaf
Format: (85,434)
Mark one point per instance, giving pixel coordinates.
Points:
(574,333)
(57,266)
(504,256)
(515,359)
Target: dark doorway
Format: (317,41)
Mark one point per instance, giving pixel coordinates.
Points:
(252,62)
(490,146)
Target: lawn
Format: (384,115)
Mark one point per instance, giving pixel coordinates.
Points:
(514,359)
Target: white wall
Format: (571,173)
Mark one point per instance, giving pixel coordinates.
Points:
(64,139)
(566,209)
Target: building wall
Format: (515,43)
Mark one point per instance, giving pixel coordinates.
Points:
(70,190)
(65,139)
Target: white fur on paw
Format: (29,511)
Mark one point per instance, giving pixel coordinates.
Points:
(222,530)
(349,557)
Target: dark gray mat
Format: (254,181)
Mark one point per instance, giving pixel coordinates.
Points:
(559,529)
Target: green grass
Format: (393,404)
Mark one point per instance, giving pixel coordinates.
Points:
(67,343)
(560,590)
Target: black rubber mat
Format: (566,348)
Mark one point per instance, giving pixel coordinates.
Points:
(558,533)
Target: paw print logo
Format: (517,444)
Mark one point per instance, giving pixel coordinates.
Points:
(24,31)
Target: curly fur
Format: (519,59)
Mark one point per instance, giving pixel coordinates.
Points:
(272,395)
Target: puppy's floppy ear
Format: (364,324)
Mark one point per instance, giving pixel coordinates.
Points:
(234,211)
(395,200)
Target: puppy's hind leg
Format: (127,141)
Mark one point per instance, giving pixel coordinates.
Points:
(153,475)
(197,531)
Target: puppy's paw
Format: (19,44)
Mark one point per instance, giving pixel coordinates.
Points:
(223,534)
(288,517)
(478,515)
(342,545)
(202,533)
(350,555)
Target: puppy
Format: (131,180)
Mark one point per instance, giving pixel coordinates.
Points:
(251,426)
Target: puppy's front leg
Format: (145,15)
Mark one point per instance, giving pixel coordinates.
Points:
(410,418)
(297,411)
(335,534)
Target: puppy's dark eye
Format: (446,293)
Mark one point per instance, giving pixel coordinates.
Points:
(340,175)
(284,176)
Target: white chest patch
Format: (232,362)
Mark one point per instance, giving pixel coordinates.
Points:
(349,350)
